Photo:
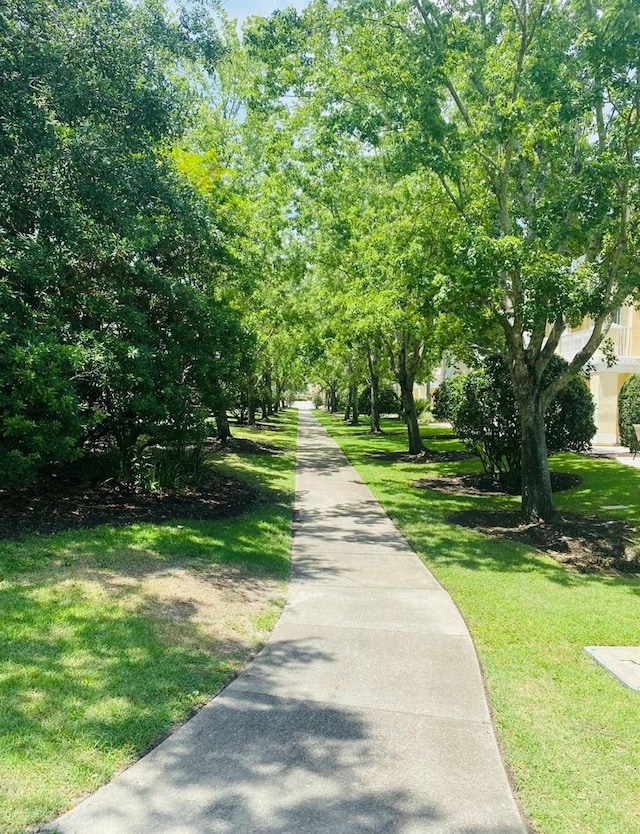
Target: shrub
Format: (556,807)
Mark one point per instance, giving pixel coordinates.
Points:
(629,411)
(40,423)
(177,466)
(569,418)
(422,408)
(388,400)
(482,409)
(446,398)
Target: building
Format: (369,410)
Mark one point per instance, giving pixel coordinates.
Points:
(606,382)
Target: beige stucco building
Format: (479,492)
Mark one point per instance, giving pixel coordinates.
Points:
(606,381)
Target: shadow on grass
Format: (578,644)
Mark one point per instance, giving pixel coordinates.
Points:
(254,763)
(423,515)
(255,539)
(606,484)
(89,672)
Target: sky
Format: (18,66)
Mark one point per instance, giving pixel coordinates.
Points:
(243,8)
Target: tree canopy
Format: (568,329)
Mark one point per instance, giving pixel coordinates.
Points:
(524,116)
(195,219)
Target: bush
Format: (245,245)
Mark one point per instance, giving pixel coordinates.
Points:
(482,409)
(422,408)
(40,422)
(388,400)
(177,467)
(447,398)
(629,411)
(569,419)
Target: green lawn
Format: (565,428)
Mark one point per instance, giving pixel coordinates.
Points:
(110,636)
(570,731)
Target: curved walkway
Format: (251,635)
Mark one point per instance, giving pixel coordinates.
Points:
(364,713)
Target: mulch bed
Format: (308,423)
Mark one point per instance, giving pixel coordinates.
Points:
(59,505)
(243,444)
(588,544)
(477,483)
(428,456)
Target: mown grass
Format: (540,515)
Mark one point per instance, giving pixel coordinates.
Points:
(570,731)
(94,669)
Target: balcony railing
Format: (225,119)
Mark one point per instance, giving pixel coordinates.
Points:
(571,343)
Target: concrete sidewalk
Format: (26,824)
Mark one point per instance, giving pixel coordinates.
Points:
(364,713)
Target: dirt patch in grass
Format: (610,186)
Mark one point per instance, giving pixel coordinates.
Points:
(477,483)
(587,543)
(428,456)
(243,444)
(226,611)
(61,505)
(214,609)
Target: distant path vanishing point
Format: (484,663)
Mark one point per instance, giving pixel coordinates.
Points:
(365,712)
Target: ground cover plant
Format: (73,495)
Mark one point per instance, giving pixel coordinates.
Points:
(568,729)
(111,635)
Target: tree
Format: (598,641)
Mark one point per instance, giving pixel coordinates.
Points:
(402,248)
(484,413)
(113,330)
(552,239)
(527,114)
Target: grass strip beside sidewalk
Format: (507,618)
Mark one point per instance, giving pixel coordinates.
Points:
(111,636)
(569,730)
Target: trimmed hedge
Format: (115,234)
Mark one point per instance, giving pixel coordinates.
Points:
(629,411)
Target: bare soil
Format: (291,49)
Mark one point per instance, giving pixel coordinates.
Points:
(214,608)
(428,456)
(62,505)
(477,483)
(243,444)
(589,544)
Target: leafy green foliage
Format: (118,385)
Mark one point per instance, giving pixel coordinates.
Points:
(483,411)
(629,411)
(40,422)
(389,401)
(447,397)
(113,329)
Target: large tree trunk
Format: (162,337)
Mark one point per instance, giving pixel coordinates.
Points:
(333,398)
(405,381)
(222,424)
(416,446)
(537,500)
(347,408)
